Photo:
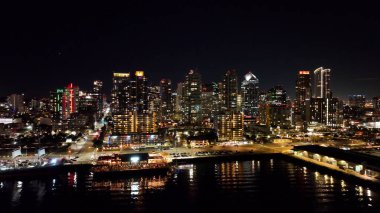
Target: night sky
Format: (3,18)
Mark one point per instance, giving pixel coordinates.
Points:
(43,47)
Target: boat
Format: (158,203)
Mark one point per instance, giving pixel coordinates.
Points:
(130,164)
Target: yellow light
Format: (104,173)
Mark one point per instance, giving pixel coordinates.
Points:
(139,73)
(121,75)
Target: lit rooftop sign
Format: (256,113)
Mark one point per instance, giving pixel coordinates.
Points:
(121,75)
(139,73)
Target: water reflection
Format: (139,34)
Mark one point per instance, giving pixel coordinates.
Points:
(243,183)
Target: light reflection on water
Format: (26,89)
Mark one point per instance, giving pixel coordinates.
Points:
(255,182)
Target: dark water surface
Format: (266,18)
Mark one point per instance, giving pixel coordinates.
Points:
(264,185)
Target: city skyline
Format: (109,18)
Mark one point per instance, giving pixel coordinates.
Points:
(50,48)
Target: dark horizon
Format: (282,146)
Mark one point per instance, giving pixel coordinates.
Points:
(44,47)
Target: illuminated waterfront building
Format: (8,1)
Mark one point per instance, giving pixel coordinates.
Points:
(130,107)
(230,126)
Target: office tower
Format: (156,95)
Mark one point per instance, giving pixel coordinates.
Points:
(70,100)
(191,95)
(303,96)
(322,83)
(166,106)
(250,94)
(88,103)
(56,104)
(356,101)
(230,90)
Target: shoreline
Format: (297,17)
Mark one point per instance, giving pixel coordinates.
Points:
(52,171)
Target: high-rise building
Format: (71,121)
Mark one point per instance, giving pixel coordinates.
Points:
(120,94)
(130,92)
(322,83)
(250,94)
(132,120)
(275,108)
(230,126)
(207,101)
(327,111)
(178,103)
(56,104)
(87,103)
(138,93)
(192,91)
(356,101)
(277,95)
(230,90)
(70,100)
(98,94)
(16,101)
(376,103)
(217,99)
(303,97)
(324,108)
(166,108)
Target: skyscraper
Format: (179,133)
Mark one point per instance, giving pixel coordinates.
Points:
(130,107)
(70,100)
(230,90)
(130,92)
(97,93)
(303,96)
(323,107)
(138,92)
(250,94)
(120,94)
(56,104)
(192,91)
(322,83)
(166,110)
